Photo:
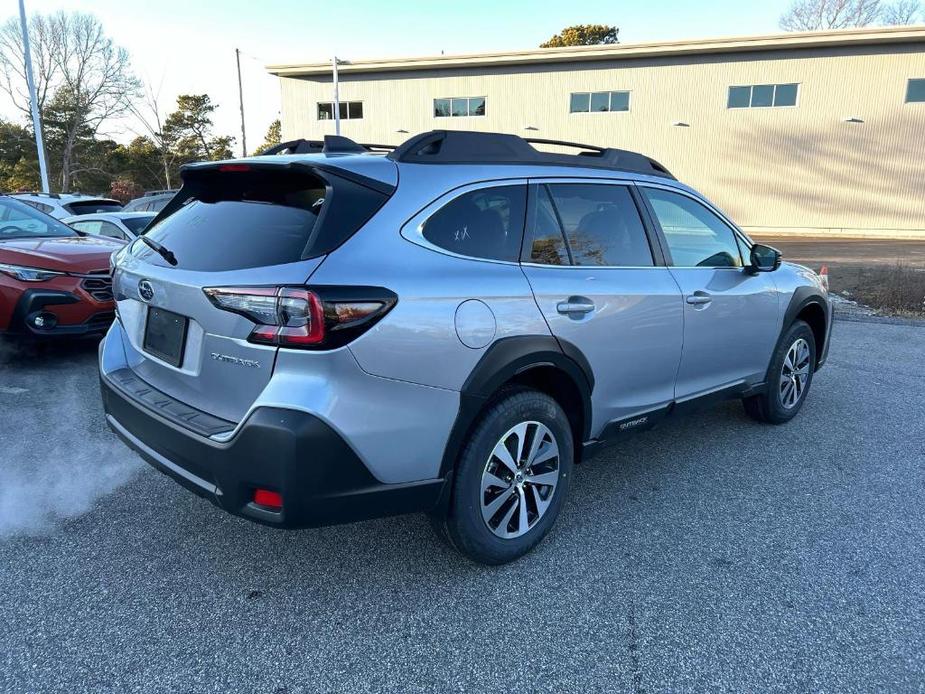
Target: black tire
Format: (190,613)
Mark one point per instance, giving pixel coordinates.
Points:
(464,525)
(769,407)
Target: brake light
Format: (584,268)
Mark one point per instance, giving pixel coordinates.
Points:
(322,318)
(234,168)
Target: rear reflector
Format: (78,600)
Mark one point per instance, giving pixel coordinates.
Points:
(264,497)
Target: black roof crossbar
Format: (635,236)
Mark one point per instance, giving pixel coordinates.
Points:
(35,192)
(332,144)
(465,147)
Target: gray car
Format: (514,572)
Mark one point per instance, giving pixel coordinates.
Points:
(307,339)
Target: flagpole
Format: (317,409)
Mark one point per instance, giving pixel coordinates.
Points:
(36,118)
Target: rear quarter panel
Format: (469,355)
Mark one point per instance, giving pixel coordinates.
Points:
(418,340)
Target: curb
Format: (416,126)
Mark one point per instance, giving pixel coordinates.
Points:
(855,317)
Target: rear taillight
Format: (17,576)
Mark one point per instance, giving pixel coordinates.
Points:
(317,318)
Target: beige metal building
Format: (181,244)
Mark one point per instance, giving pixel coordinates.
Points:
(819,132)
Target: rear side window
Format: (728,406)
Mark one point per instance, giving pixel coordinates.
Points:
(41,206)
(259,217)
(547,244)
(601,224)
(486,223)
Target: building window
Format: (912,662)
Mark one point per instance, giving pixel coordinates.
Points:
(349,110)
(763,95)
(459,106)
(592,102)
(915,91)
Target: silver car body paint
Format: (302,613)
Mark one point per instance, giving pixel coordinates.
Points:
(394,392)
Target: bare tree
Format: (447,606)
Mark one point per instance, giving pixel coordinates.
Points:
(148,113)
(13,62)
(83,79)
(902,12)
(97,83)
(814,15)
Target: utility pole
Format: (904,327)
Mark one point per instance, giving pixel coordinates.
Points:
(36,118)
(237,57)
(336,100)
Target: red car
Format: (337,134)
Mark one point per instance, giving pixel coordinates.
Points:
(54,281)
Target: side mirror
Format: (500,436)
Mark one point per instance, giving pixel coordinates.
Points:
(764,258)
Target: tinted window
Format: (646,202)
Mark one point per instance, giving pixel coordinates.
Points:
(583,102)
(93,206)
(915,90)
(600,101)
(136,225)
(580,103)
(47,209)
(242,220)
(762,95)
(547,245)
(601,224)
(461,106)
(785,95)
(484,223)
(441,108)
(696,237)
(740,97)
(619,101)
(349,110)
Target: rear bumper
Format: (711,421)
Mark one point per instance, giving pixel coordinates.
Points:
(321,479)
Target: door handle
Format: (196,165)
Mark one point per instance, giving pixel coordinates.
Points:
(575,306)
(699,298)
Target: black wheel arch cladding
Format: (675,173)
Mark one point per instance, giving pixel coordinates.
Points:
(803,298)
(503,362)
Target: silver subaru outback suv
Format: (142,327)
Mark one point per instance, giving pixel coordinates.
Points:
(335,333)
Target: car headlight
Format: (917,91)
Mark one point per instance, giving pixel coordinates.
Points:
(28,274)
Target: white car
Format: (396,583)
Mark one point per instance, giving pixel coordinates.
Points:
(125,226)
(61,205)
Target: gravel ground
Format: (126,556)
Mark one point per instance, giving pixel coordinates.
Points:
(710,554)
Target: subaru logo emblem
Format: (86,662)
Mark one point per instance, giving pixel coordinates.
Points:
(145,290)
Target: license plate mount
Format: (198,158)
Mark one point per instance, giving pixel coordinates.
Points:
(165,335)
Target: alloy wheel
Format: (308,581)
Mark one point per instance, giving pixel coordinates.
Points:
(794,374)
(519,479)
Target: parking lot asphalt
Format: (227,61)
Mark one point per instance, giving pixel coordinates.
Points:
(712,553)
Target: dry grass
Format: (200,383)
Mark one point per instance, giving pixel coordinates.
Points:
(894,289)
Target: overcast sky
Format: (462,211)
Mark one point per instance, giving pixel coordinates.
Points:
(188,47)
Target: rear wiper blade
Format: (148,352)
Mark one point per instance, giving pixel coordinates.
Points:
(159,249)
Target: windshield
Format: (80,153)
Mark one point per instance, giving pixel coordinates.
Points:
(20,221)
(136,225)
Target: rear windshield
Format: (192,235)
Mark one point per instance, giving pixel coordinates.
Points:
(93,206)
(257,218)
